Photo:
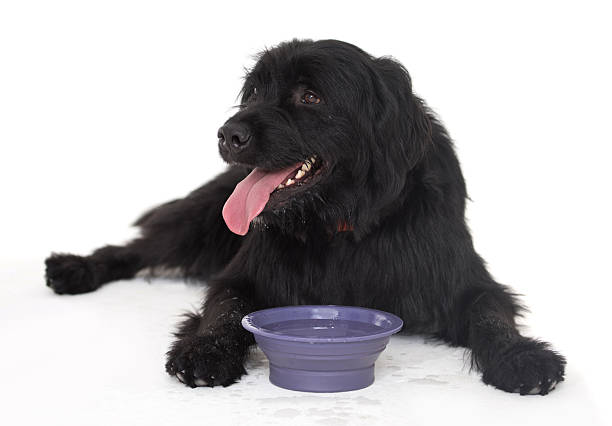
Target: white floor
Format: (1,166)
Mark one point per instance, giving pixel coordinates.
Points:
(97,359)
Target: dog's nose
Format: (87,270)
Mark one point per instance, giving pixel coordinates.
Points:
(234,136)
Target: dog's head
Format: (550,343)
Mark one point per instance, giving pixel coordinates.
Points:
(331,133)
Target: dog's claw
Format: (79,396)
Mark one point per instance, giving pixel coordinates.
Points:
(200,382)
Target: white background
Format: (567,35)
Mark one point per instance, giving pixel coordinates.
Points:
(108,108)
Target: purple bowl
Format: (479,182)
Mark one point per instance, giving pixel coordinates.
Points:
(322,348)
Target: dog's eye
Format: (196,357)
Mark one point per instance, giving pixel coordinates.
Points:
(310,97)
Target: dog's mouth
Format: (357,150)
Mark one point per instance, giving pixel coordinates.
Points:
(300,176)
(253,193)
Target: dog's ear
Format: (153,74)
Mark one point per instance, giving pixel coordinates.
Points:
(398,129)
(402,117)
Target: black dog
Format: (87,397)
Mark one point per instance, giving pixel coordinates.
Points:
(343,188)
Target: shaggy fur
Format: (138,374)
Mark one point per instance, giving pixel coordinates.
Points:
(380,225)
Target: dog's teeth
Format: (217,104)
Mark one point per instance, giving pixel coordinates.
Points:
(299,174)
(289,182)
(306,166)
(281,186)
(312,159)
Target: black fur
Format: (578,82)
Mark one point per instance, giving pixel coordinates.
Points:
(381,225)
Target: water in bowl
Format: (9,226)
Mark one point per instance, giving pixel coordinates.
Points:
(322,328)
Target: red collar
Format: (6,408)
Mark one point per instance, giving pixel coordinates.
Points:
(344,226)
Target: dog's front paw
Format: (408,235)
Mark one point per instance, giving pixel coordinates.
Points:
(70,274)
(528,367)
(204,361)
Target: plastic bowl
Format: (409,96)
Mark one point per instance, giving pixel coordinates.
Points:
(322,348)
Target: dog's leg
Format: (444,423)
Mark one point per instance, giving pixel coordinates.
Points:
(186,234)
(508,360)
(72,274)
(211,346)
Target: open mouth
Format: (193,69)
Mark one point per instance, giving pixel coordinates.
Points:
(253,193)
(301,175)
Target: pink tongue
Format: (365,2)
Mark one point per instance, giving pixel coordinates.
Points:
(250,197)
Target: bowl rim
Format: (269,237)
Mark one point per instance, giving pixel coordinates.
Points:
(395,326)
